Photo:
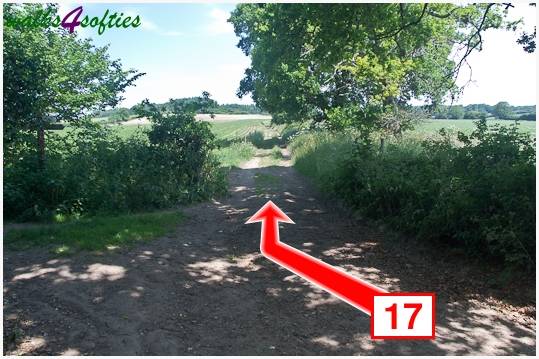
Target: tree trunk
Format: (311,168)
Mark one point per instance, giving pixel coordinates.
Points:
(41,147)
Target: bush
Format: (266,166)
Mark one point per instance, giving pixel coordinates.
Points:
(473,192)
(93,170)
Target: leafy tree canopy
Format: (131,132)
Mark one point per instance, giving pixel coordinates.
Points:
(503,110)
(364,60)
(51,75)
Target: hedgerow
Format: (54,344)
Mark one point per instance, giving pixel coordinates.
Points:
(93,170)
(475,192)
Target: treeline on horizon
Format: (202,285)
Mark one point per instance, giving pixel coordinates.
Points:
(502,110)
(124,113)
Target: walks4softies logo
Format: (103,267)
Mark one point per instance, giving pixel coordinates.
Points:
(49,18)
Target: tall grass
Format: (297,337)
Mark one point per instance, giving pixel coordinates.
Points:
(319,154)
(235,154)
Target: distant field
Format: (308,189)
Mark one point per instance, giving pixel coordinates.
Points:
(242,128)
(235,129)
(222,130)
(468,125)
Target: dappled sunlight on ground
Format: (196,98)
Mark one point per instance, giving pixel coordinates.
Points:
(218,270)
(94,272)
(207,290)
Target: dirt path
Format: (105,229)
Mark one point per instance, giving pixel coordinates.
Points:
(206,290)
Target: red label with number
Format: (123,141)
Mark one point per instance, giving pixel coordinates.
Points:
(403,316)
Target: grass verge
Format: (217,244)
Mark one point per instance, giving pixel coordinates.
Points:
(95,233)
(473,193)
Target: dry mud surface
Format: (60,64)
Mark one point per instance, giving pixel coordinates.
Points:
(206,289)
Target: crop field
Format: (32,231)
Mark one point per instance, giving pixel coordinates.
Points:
(242,128)
(235,131)
(429,126)
(250,130)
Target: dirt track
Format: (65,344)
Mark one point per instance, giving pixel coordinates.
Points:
(206,290)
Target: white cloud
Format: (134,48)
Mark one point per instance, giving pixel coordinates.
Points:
(218,23)
(221,82)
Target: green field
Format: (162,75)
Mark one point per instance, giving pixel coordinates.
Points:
(222,130)
(430,126)
(241,129)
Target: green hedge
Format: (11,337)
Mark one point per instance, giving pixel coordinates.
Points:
(475,192)
(93,170)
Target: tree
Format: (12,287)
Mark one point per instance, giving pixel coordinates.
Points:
(455,112)
(51,75)
(322,60)
(503,110)
(475,115)
(120,115)
(177,133)
(527,39)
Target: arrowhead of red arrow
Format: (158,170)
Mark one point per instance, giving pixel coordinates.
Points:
(269,211)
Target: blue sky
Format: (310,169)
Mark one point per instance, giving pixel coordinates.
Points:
(188,48)
(184,49)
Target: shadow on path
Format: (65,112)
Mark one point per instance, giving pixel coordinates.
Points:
(206,290)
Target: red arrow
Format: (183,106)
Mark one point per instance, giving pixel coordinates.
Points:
(352,290)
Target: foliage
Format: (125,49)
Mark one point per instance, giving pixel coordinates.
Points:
(528,117)
(475,192)
(96,233)
(475,115)
(212,108)
(51,75)
(121,115)
(114,111)
(330,62)
(184,143)
(455,112)
(215,108)
(91,169)
(503,111)
(236,109)
(527,39)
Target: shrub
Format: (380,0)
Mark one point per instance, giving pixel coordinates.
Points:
(91,170)
(257,138)
(473,192)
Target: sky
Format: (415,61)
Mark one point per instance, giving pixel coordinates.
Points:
(185,49)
